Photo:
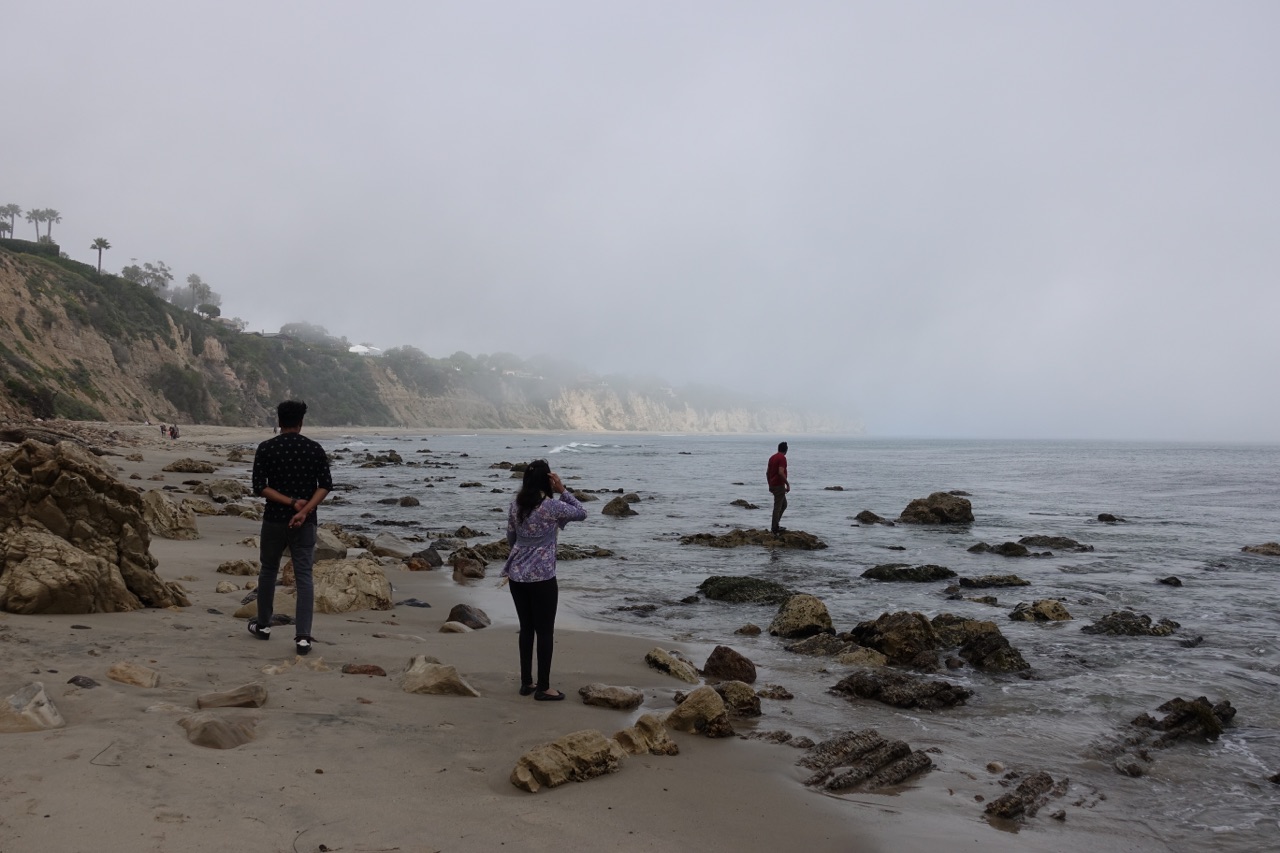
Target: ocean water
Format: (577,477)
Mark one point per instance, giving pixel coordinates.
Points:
(1188,508)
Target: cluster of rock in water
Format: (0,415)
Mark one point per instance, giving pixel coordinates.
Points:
(76,540)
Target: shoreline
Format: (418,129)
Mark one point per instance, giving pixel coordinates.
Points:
(352,762)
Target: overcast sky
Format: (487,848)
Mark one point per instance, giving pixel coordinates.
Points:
(987,219)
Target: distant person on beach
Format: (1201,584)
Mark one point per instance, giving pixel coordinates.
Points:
(776,475)
(534,521)
(292,473)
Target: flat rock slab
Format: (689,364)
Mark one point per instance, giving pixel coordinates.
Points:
(609,696)
(576,757)
(248,696)
(862,760)
(133,673)
(901,690)
(215,732)
(787,539)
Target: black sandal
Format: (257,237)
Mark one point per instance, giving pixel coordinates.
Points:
(544,696)
(262,633)
(303,644)
(527,689)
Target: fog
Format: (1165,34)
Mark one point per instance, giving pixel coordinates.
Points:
(982,219)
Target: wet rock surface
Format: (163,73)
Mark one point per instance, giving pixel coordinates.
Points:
(1027,799)
(1266,549)
(801,615)
(619,507)
(786,539)
(861,760)
(726,664)
(1044,610)
(901,689)
(869,517)
(1126,623)
(1056,543)
(744,590)
(938,508)
(992,581)
(905,572)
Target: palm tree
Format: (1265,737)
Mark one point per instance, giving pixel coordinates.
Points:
(36,216)
(100,243)
(11,211)
(51,216)
(6,228)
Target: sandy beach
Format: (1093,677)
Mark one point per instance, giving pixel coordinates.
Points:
(352,763)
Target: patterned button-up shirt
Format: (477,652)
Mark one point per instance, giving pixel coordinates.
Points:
(293,465)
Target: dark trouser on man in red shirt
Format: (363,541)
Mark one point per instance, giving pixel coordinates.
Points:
(779,506)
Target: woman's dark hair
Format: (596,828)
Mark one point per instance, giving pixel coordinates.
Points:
(535,486)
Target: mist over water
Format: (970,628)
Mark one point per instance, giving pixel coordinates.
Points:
(1188,508)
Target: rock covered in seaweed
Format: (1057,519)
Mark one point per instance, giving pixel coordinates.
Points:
(786,539)
(744,590)
(1126,623)
(938,508)
(905,572)
(901,689)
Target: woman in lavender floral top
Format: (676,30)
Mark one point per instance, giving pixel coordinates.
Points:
(533,523)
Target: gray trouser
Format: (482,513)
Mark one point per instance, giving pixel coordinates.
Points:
(301,542)
(779,506)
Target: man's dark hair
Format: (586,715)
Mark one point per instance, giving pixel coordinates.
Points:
(290,413)
(782,447)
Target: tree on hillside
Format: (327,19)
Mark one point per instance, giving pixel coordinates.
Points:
(100,243)
(35,217)
(51,216)
(209,310)
(6,228)
(155,276)
(11,211)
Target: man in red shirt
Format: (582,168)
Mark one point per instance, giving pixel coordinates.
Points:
(776,474)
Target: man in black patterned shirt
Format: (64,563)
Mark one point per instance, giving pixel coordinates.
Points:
(292,473)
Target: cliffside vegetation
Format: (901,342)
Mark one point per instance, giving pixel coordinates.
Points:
(80,344)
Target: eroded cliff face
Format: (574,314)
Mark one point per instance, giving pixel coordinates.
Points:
(56,346)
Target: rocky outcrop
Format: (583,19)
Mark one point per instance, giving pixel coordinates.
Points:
(1126,623)
(800,616)
(469,615)
(619,507)
(992,581)
(222,491)
(1197,720)
(214,732)
(427,675)
(1056,543)
(668,662)
(343,586)
(901,689)
(725,664)
(905,572)
(72,536)
(901,637)
(938,508)
(702,712)
(575,757)
(786,539)
(1027,799)
(609,696)
(647,737)
(862,760)
(739,698)
(1266,549)
(247,696)
(744,590)
(166,518)
(1005,549)
(190,466)
(1044,610)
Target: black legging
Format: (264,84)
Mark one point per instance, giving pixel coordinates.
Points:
(536,606)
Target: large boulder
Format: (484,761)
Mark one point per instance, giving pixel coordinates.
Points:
(905,572)
(345,585)
(938,508)
(575,757)
(900,637)
(703,711)
(427,675)
(619,507)
(801,615)
(222,491)
(72,536)
(744,590)
(1044,610)
(190,466)
(168,519)
(725,664)
(329,546)
(470,615)
(390,545)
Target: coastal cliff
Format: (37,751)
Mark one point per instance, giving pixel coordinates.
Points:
(82,345)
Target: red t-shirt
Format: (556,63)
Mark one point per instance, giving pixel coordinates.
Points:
(776,473)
